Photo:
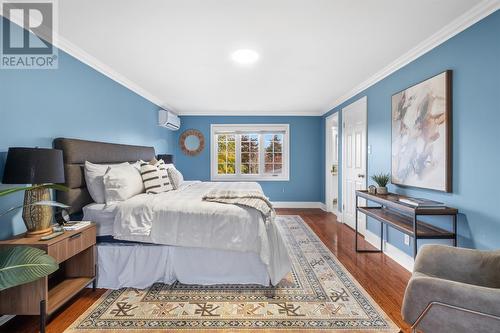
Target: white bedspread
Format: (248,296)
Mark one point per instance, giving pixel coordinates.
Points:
(182,218)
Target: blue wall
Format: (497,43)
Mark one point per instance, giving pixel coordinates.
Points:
(76,101)
(72,101)
(474,57)
(306,155)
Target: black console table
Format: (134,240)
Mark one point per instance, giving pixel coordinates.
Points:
(404,218)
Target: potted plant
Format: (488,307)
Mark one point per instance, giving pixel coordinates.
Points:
(23,264)
(382,179)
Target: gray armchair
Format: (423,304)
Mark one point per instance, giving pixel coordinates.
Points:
(454,290)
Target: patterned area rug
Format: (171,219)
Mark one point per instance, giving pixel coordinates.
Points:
(319,295)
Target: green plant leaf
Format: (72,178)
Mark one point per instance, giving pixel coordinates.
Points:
(382,179)
(57,187)
(23,264)
(11,190)
(38,203)
(49,203)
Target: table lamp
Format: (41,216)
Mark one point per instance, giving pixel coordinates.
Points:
(35,166)
(167,158)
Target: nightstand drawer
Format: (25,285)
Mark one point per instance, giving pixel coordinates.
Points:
(75,251)
(76,242)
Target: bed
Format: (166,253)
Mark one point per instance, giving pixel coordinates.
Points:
(172,236)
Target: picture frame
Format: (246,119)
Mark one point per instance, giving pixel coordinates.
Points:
(421,134)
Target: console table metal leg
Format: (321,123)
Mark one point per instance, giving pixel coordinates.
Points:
(356,233)
(381,237)
(94,283)
(356,225)
(415,238)
(455,230)
(43,315)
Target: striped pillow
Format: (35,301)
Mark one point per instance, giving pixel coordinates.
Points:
(155,177)
(176,177)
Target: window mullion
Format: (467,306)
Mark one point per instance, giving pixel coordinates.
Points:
(215,155)
(226,143)
(261,155)
(238,154)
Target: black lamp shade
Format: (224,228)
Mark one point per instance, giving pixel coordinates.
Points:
(33,166)
(167,158)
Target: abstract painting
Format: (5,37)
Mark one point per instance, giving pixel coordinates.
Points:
(421,134)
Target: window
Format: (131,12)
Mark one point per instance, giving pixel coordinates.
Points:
(226,154)
(249,152)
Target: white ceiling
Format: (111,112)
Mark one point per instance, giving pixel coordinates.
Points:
(312,52)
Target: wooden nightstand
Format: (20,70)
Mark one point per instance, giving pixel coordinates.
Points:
(75,253)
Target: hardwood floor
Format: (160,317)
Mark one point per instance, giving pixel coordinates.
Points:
(381,277)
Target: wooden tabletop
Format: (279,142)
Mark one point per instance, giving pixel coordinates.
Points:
(391,200)
(22,240)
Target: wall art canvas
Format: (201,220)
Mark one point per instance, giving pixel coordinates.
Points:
(421,134)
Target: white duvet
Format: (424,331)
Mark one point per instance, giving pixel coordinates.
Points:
(182,218)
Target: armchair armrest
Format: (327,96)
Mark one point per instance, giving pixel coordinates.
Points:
(476,267)
(422,290)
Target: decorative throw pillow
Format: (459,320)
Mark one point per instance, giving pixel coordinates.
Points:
(122,182)
(155,177)
(94,174)
(176,177)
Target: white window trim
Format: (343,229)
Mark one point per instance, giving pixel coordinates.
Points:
(255,128)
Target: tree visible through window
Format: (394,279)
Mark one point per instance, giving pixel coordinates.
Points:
(273,145)
(226,154)
(250,152)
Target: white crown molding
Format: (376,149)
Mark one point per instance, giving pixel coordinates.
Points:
(250,113)
(76,52)
(458,25)
(472,16)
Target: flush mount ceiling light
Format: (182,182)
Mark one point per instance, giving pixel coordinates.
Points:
(245,56)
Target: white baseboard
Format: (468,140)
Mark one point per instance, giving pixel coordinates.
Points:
(336,213)
(299,204)
(391,251)
(339,216)
(5,318)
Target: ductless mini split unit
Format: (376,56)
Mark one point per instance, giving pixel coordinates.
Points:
(169,120)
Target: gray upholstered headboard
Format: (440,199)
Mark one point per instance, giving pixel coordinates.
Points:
(76,152)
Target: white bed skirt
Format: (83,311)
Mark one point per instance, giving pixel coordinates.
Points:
(141,265)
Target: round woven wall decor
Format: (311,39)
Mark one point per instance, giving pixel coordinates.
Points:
(187,140)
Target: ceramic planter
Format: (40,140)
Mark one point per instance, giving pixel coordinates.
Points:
(382,190)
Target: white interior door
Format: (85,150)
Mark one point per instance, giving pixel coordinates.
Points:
(331,163)
(354,119)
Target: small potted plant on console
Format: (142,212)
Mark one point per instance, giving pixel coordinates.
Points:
(382,179)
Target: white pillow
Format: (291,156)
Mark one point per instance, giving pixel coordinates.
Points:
(176,177)
(155,177)
(122,182)
(94,174)
(137,165)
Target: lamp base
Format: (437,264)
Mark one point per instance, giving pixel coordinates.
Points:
(39,233)
(38,219)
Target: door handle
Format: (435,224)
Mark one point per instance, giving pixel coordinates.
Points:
(360,175)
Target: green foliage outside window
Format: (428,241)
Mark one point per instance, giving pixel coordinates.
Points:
(249,153)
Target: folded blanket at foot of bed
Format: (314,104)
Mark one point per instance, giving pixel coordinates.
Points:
(252,199)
